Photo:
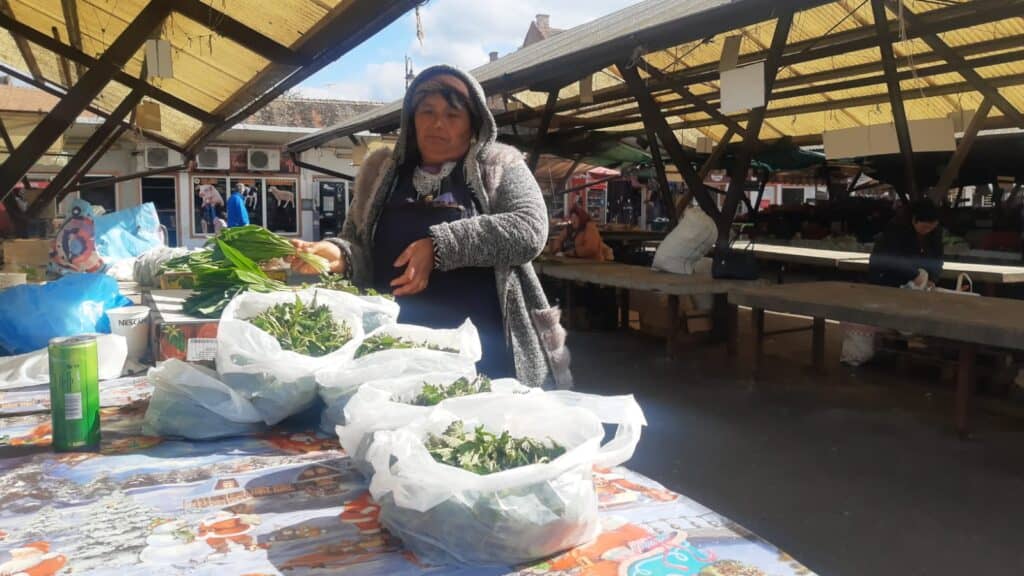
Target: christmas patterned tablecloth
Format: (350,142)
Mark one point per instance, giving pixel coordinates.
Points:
(289,502)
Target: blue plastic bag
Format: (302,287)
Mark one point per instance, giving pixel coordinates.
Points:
(30,314)
(127,233)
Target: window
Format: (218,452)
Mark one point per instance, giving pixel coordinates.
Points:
(105,195)
(208,196)
(162,192)
(270,202)
(282,206)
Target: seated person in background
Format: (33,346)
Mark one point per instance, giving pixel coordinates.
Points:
(580,239)
(907,245)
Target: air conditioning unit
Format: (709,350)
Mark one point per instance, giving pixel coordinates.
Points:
(160,157)
(264,160)
(214,158)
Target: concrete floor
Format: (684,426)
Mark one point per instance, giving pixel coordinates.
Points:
(857,473)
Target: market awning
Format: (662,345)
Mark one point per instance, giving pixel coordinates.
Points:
(185,70)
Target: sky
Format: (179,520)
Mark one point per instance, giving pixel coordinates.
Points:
(459,32)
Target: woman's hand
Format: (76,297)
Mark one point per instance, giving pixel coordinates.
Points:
(418,260)
(326,250)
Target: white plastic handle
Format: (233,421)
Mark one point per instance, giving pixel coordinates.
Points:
(621,410)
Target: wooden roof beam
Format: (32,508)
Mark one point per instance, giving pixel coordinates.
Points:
(952,169)
(78,98)
(937,21)
(960,64)
(70,10)
(738,175)
(17,28)
(693,99)
(226,26)
(24,48)
(899,113)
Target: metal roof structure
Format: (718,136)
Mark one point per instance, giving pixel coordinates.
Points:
(228,60)
(829,65)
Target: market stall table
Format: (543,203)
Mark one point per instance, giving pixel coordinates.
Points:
(986,275)
(968,320)
(625,278)
(289,501)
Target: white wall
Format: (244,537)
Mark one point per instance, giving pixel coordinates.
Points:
(328,158)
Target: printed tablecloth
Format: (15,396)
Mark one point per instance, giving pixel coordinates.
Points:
(289,502)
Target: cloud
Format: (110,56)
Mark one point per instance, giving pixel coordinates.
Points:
(457,32)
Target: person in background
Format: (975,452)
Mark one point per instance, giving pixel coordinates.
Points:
(221,221)
(580,239)
(237,214)
(449,223)
(907,245)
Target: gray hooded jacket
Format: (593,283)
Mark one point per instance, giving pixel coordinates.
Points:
(511,231)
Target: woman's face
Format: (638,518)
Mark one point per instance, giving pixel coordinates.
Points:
(442,132)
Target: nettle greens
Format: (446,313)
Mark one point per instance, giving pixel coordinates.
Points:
(382,342)
(433,394)
(308,329)
(484,452)
(339,283)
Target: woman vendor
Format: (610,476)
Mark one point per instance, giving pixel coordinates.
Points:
(580,239)
(448,223)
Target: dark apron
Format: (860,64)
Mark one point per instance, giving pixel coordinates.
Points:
(450,297)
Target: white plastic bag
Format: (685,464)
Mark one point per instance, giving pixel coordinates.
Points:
(687,243)
(279,382)
(33,368)
(190,402)
(339,381)
(858,344)
(445,514)
(384,405)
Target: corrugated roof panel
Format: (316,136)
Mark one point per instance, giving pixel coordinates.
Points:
(284,22)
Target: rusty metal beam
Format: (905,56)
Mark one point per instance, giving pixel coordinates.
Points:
(899,113)
(94,157)
(19,29)
(950,172)
(542,131)
(96,142)
(656,124)
(78,98)
(61,93)
(738,175)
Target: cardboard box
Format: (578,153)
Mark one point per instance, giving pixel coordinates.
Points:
(31,252)
(174,334)
(652,309)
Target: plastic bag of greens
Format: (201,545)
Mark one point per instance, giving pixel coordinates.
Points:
(273,366)
(393,403)
(397,350)
(447,514)
(190,402)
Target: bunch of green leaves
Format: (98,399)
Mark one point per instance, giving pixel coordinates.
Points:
(218,281)
(433,394)
(382,342)
(484,452)
(191,262)
(260,245)
(339,283)
(306,329)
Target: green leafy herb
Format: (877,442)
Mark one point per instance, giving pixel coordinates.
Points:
(432,394)
(339,283)
(382,342)
(308,329)
(260,245)
(216,284)
(484,452)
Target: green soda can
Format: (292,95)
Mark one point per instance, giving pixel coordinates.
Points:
(75,393)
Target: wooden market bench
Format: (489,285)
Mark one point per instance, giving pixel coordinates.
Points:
(968,321)
(624,278)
